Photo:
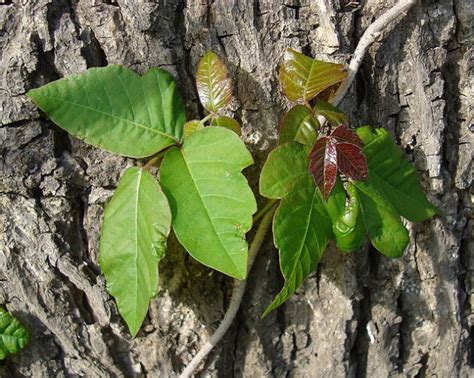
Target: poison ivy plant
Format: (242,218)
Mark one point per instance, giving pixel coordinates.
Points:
(206,198)
(380,186)
(13,336)
(331,181)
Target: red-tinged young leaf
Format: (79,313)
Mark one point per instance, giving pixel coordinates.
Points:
(344,134)
(351,161)
(213,83)
(303,78)
(323,164)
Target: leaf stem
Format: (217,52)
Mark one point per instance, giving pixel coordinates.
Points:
(237,295)
(206,118)
(155,159)
(268,206)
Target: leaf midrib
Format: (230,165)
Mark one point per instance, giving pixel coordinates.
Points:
(206,210)
(112,116)
(305,236)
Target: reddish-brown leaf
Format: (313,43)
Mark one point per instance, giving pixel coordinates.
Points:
(344,134)
(323,164)
(351,161)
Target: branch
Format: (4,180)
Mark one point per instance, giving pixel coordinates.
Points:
(236,299)
(369,37)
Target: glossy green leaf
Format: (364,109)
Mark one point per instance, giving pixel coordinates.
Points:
(392,176)
(301,230)
(349,228)
(228,123)
(386,231)
(191,127)
(301,226)
(116,109)
(300,125)
(13,336)
(285,169)
(136,224)
(211,201)
(303,78)
(332,114)
(213,83)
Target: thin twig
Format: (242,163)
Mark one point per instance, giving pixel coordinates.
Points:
(236,299)
(369,37)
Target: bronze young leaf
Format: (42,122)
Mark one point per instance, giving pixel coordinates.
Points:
(340,151)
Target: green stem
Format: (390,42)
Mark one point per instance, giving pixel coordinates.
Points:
(264,210)
(206,118)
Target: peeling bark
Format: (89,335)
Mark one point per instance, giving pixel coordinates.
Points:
(360,314)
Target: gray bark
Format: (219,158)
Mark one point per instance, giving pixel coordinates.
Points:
(360,314)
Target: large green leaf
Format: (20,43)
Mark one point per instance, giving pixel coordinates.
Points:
(13,336)
(211,201)
(301,230)
(116,109)
(392,176)
(301,226)
(136,224)
(213,83)
(386,231)
(300,125)
(303,78)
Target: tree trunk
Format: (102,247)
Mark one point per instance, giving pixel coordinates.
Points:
(359,314)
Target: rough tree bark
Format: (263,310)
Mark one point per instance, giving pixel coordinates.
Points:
(360,314)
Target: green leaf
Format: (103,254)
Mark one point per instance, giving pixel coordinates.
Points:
(349,228)
(136,224)
(301,230)
(213,83)
(211,201)
(392,176)
(333,115)
(191,127)
(228,123)
(116,109)
(301,226)
(303,78)
(386,231)
(13,336)
(300,125)
(285,169)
